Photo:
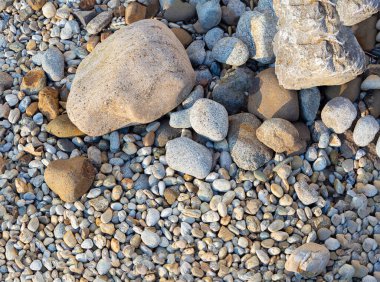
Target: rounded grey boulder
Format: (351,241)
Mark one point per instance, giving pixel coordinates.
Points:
(210,119)
(231,51)
(137,75)
(187,156)
(365,130)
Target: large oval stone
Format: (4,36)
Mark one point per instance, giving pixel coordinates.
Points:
(137,75)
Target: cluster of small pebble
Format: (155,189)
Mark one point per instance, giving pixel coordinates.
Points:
(162,207)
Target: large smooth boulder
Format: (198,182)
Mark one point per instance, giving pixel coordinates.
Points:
(137,75)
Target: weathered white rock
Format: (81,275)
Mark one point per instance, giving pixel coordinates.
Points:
(145,74)
(309,260)
(352,12)
(365,130)
(313,48)
(338,114)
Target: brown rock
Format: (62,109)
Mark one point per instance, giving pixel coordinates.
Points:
(87,4)
(119,11)
(31,109)
(134,12)
(152,9)
(104,98)
(6,81)
(179,11)
(271,100)
(349,90)
(71,178)
(3,164)
(165,133)
(36,5)
(92,42)
(365,33)
(183,36)
(225,234)
(170,195)
(22,186)
(48,103)
(69,239)
(372,100)
(33,81)
(148,139)
(62,127)
(280,135)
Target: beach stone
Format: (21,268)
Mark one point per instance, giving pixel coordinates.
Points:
(306,59)
(338,114)
(209,14)
(6,81)
(48,102)
(232,12)
(152,217)
(69,239)
(187,156)
(36,5)
(309,260)
(271,100)
(179,11)
(365,33)
(49,10)
(233,88)
(165,133)
(352,12)
(372,82)
(127,95)
(221,185)
(332,244)
(99,22)
(71,178)
(53,63)
(231,51)
(309,100)
(279,135)
(103,266)
(246,150)
(134,12)
(183,36)
(365,130)
(87,4)
(33,81)
(180,119)
(372,101)
(349,90)
(196,52)
(257,29)
(151,239)
(62,127)
(209,119)
(306,193)
(213,36)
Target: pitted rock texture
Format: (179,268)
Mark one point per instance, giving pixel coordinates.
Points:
(137,75)
(313,48)
(352,12)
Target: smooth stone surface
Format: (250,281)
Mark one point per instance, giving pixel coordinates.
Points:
(71,178)
(231,51)
(99,22)
(338,114)
(213,36)
(33,81)
(179,11)
(53,63)
(48,102)
(246,150)
(306,193)
(209,14)
(187,156)
(309,260)
(151,239)
(365,130)
(62,127)
(349,90)
(180,119)
(309,100)
(233,88)
(279,135)
(372,82)
(6,81)
(127,94)
(209,119)
(271,100)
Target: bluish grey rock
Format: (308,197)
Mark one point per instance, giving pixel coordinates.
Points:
(196,52)
(365,130)
(231,51)
(187,156)
(257,30)
(151,239)
(209,14)
(309,100)
(212,36)
(195,95)
(180,119)
(209,119)
(53,63)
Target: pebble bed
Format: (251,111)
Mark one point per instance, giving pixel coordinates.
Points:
(145,218)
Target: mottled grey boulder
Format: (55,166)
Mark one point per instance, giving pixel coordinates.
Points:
(246,150)
(365,130)
(187,156)
(231,51)
(352,12)
(145,74)
(257,29)
(313,48)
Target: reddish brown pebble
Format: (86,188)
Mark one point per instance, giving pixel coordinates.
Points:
(31,109)
(36,5)
(183,36)
(134,12)
(62,127)
(33,81)
(149,139)
(3,163)
(48,103)
(104,35)
(92,42)
(87,4)
(152,9)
